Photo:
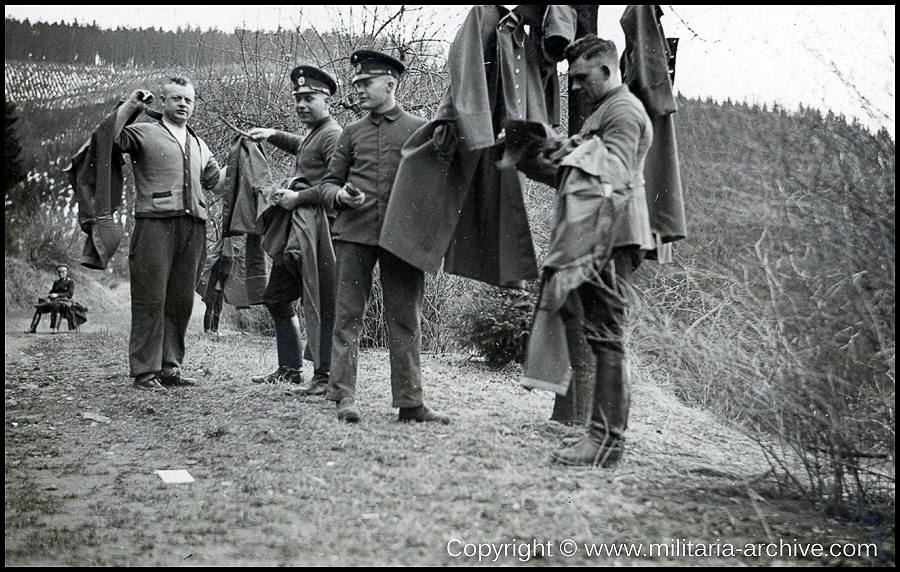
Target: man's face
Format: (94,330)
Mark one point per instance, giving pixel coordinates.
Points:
(311,106)
(178,103)
(590,79)
(63,272)
(373,93)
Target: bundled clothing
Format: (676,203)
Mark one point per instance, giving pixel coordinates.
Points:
(647,70)
(450,201)
(599,211)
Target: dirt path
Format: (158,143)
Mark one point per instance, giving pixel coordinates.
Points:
(279,481)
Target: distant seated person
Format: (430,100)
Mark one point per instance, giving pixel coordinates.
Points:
(59,304)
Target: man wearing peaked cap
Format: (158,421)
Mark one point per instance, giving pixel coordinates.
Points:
(359,182)
(311,89)
(307,79)
(368,64)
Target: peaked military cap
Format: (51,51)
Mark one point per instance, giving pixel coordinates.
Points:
(62,265)
(308,79)
(369,63)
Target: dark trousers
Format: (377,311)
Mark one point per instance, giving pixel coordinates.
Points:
(404,289)
(283,289)
(601,308)
(214,302)
(164,260)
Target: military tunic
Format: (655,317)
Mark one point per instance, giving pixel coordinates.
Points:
(367,157)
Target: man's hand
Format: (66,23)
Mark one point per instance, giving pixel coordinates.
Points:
(445,140)
(350,197)
(260,133)
(54,296)
(139,99)
(286,199)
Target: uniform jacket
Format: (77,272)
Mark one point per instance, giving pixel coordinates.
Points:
(247,185)
(95,174)
(601,178)
(645,71)
(65,287)
(464,208)
(367,157)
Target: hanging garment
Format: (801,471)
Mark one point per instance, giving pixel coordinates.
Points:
(95,174)
(248,186)
(453,203)
(646,63)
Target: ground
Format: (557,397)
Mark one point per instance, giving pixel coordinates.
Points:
(278,481)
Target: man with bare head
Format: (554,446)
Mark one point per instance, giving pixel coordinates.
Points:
(600,235)
(172,166)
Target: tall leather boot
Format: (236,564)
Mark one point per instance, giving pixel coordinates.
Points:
(604,442)
(287,343)
(34,323)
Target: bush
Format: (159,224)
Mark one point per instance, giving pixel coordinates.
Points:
(496,324)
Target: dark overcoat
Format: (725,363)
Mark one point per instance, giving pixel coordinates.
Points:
(646,72)
(463,207)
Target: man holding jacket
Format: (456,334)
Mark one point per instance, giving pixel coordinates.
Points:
(600,235)
(312,89)
(171,167)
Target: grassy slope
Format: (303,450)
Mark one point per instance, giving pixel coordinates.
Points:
(279,481)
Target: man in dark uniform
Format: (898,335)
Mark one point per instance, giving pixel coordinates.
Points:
(600,235)
(358,185)
(312,89)
(58,302)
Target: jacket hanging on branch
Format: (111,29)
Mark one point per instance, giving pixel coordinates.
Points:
(648,67)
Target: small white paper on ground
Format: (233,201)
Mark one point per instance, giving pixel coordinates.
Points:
(175,477)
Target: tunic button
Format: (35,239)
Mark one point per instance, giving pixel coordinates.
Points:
(519,57)
(517,86)
(517,70)
(188,211)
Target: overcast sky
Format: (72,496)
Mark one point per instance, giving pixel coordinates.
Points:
(829,57)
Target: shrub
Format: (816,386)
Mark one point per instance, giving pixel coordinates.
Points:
(496,324)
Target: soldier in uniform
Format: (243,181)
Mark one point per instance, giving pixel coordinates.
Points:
(358,185)
(312,89)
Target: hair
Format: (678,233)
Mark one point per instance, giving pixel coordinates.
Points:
(590,47)
(177,80)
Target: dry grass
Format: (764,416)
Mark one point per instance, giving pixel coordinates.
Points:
(280,481)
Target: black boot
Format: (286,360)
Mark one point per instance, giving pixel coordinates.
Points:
(287,342)
(604,443)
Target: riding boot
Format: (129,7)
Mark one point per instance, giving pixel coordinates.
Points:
(287,342)
(603,443)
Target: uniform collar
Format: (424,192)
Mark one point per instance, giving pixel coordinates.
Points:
(321,123)
(391,115)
